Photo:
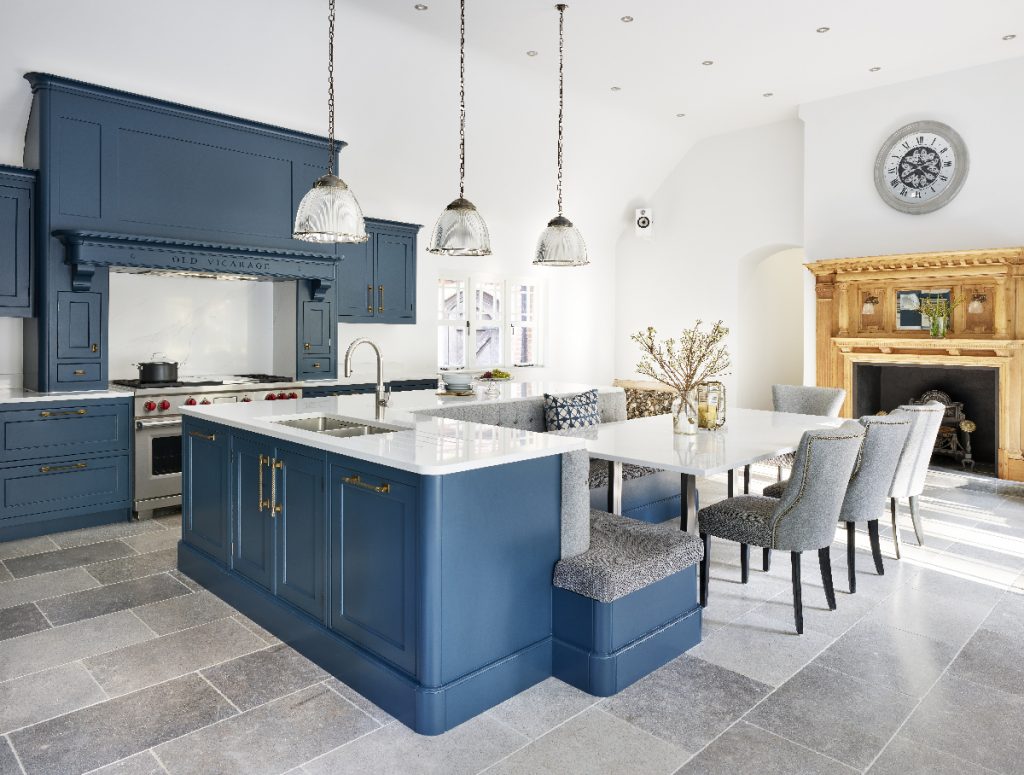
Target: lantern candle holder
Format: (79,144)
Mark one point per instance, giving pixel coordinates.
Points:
(710,405)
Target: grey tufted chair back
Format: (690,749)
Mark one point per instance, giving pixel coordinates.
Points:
(801,399)
(925,421)
(884,438)
(806,515)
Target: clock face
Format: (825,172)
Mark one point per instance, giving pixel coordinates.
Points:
(921,167)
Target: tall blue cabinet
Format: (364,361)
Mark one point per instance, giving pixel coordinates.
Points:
(377,279)
(17,194)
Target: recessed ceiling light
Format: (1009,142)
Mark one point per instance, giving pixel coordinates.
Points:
(680,115)
(1009,37)
(768,94)
(708,62)
(627,19)
(874,69)
(616,88)
(421,7)
(823,29)
(531,53)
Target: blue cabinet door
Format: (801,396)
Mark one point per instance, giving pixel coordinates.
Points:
(71,485)
(15,248)
(79,320)
(252,525)
(300,530)
(373,564)
(50,430)
(395,271)
(355,285)
(205,488)
(316,327)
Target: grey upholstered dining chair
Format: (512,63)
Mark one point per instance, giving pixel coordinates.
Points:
(884,441)
(925,420)
(804,518)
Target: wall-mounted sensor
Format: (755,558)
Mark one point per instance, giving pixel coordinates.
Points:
(643,222)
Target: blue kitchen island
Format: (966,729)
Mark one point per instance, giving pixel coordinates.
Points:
(410,555)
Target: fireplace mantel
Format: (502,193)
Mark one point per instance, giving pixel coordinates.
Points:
(993,338)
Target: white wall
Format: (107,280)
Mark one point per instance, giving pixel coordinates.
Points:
(726,221)
(844,215)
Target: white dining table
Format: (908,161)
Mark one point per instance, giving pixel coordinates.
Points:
(748,436)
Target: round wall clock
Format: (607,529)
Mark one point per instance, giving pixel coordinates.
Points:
(921,167)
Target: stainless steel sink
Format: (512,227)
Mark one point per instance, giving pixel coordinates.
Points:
(333,426)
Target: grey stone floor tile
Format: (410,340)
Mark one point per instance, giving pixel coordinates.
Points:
(5,575)
(186,580)
(542,707)
(180,613)
(262,676)
(761,647)
(897,659)
(378,714)
(110,598)
(748,750)
(8,763)
(21,620)
(272,738)
(250,625)
(832,713)
(23,546)
(170,521)
(153,540)
(59,559)
(92,535)
(908,757)
(37,697)
(169,656)
(1007,617)
(57,646)
(594,743)
(850,609)
(397,750)
(687,702)
(976,723)
(947,584)
(935,615)
(112,730)
(144,763)
(728,599)
(45,585)
(992,659)
(136,566)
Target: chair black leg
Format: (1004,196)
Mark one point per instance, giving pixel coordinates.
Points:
(876,547)
(825,562)
(798,602)
(851,555)
(744,563)
(915,517)
(746,480)
(766,560)
(705,570)
(895,530)
(778,473)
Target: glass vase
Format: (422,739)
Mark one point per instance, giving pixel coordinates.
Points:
(684,413)
(938,327)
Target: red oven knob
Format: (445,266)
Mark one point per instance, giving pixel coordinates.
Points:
(282,396)
(165,405)
(270,397)
(205,401)
(149,406)
(190,402)
(293,395)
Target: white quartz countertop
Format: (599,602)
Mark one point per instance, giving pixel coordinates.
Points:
(422,444)
(22,395)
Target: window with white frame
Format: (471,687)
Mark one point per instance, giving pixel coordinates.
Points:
(489,322)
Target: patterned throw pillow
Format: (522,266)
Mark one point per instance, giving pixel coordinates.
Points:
(578,411)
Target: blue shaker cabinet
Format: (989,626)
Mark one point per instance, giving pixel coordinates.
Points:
(17,188)
(315,344)
(377,280)
(205,496)
(79,321)
(252,548)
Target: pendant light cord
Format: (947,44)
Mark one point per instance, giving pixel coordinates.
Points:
(462,101)
(330,89)
(561,93)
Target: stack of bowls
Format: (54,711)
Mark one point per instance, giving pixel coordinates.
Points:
(458,382)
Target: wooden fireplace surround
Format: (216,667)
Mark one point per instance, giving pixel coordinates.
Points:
(993,338)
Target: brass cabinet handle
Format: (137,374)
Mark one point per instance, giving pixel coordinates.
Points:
(275,507)
(95,348)
(316,364)
(64,413)
(206,436)
(305,346)
(380,298)
(355,480)
(264,460)
(79,372)
(369,298)
(57,469)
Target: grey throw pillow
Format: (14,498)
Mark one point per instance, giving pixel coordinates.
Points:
(578,411)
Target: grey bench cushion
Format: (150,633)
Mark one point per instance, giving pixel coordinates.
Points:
(626,555)
(599,472)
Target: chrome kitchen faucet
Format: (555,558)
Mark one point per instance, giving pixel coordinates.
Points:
(382,395)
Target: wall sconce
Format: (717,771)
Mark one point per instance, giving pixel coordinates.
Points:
(869,305)
(977,303)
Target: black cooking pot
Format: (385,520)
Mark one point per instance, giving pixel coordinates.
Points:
(158,371)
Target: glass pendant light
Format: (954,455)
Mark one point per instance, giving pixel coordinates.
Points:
(329,211)
(561,243)
(461,231)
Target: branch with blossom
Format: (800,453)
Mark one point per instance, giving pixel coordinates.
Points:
(681,364)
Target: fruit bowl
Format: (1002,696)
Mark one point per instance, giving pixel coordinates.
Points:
(492,378)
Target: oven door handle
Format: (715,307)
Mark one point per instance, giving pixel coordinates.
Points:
(170,422)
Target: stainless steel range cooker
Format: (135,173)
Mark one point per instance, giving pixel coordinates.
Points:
(157,476)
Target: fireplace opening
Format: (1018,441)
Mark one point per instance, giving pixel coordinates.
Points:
(883,387)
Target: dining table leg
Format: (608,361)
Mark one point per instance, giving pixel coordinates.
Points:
(730,480)
(689,501)
(614,487)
